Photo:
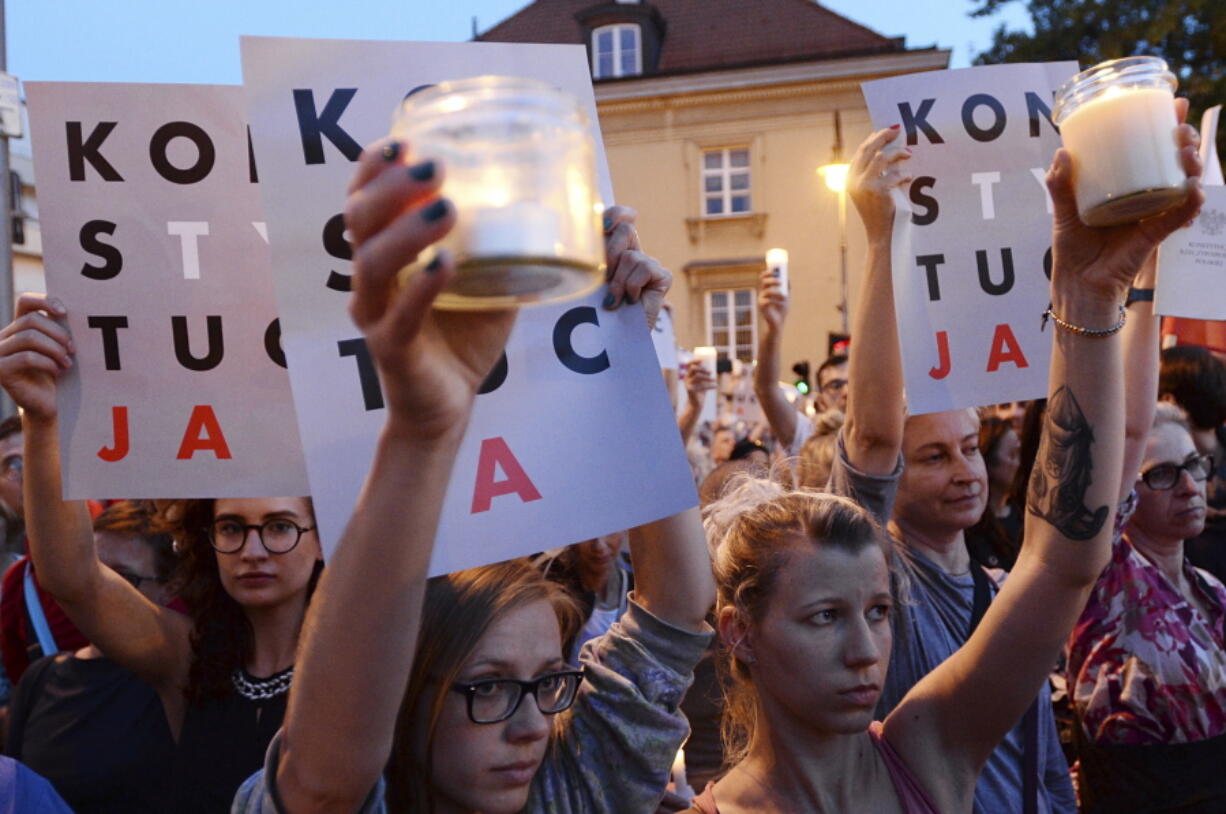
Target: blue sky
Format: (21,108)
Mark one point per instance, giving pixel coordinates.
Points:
(178,41)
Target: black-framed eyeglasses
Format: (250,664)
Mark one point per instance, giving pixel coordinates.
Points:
(1165,476)
(278,535)
(491,700)
(135,580)
(12,466)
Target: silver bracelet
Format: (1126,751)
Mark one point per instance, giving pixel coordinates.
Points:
(1077,330)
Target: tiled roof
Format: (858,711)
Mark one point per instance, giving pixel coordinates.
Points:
(712,34)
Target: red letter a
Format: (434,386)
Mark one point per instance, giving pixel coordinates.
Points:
(119,421)
(203,433)
(1005,349)
(495,452)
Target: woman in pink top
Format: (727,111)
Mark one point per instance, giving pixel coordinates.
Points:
(805,598)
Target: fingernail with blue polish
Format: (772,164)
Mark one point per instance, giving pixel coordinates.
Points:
(608,224)
(609,299)
(423,171)
(391,151)
(436,211)
(435,264)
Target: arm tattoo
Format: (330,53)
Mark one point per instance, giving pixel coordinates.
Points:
(1062,473)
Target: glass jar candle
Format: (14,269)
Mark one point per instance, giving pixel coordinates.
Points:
(1117,121)
(519,165)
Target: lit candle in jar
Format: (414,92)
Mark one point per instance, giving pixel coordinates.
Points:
(1117,121)
(519,164)
(706,357)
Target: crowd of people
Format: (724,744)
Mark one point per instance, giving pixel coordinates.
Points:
(1009,609)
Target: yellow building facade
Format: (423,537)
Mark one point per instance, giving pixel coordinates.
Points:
(660,134)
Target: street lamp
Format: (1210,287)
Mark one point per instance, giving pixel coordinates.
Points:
(835,176)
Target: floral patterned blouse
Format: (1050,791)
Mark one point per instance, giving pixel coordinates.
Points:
(1145,666)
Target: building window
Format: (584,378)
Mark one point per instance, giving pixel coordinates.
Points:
(732,327)
(617,50)
(725,182)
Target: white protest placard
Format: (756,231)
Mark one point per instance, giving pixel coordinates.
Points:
(745,406)
(664,338)
(576,440)
(1192,262)
(153,237)
(972,234)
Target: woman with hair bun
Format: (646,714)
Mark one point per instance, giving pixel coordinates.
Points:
(804,588)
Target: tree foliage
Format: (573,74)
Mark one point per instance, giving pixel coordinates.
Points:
(1189,34)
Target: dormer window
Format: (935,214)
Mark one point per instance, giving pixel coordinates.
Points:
(617,50)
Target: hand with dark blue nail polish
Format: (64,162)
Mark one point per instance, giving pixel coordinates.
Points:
(430,363)
(633,276)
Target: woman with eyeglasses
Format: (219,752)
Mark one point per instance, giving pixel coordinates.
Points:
(247,572)
(453,694)
(1147,660)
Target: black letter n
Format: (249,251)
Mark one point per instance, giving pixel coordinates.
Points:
(312,125)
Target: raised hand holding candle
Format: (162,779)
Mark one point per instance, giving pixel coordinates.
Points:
(777,262)
(706,356)
(1118,123)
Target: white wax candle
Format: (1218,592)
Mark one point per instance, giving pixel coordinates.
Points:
(777,262)
(520,229)
(681,785)
(706,357)
(1123,142)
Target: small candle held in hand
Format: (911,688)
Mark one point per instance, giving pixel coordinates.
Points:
(706,356)
(777,262)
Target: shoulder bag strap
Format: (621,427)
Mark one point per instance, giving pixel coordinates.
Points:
(34,609)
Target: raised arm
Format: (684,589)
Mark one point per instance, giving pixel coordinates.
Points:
(1141,362)
(672,569)
(773,309)
(949,723)
(698,382)
(35,349)
(361,631)
(1140,338)
(872,432)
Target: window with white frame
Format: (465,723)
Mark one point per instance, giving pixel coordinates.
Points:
(725,182)
(617,50)
(732,326)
